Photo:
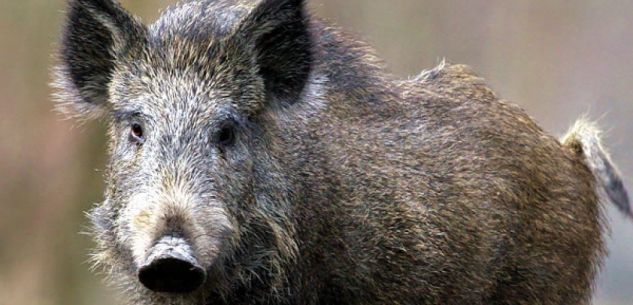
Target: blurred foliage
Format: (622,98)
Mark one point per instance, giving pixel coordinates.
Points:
(558,59)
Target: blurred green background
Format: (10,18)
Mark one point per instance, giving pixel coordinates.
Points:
(558,59)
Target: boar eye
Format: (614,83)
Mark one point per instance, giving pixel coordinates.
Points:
(137,135)
(226,134)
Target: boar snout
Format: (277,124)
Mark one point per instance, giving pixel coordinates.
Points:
(172,267)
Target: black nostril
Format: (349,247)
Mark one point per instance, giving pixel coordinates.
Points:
(172,275)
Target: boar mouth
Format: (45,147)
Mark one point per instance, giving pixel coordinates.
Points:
(171,267)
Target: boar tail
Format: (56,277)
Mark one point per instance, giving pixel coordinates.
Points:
(584,139)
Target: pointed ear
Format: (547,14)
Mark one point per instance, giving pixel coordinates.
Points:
(277,33)
(96,33)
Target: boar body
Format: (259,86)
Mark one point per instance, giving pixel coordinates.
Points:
(259,156)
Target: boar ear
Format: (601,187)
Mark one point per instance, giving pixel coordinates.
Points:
(96,34)
(277,32)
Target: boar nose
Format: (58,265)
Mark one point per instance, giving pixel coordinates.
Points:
(171,267)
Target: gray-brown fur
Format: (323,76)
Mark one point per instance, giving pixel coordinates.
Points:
(341,184)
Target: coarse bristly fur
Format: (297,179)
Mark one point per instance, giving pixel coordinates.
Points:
(302,173)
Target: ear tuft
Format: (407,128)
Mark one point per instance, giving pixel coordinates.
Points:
(95,35)
(277,32)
